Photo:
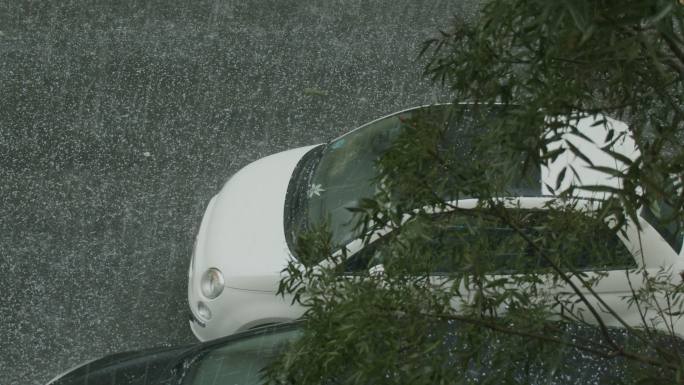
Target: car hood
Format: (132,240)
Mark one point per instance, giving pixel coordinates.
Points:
(142,367)
(242,233)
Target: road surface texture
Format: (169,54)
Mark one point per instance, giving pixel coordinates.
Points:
(120,119)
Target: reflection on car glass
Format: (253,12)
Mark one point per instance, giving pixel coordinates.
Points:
(315,190)
(337,144)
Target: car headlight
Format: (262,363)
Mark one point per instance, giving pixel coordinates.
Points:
(212,283)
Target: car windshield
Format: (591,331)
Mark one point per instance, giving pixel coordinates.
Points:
(337,176)
(239,361)
(345,175)
(334,177)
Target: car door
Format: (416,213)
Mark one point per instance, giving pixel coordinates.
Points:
(659,265)
(605,281)
(605,278)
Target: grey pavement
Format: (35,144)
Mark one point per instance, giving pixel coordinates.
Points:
(120,119)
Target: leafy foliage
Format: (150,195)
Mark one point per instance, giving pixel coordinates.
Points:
(432,304)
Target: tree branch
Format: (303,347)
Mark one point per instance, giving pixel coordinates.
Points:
(568,280)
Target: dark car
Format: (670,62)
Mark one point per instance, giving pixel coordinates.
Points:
(237,359)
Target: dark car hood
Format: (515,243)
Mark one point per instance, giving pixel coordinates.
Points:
(144,367)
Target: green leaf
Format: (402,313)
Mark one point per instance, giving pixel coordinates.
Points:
(576,151)
(621,157)
(600,188)
(560,178)
(610,171)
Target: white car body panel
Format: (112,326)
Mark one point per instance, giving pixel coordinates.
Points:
(242,234)
(592,149)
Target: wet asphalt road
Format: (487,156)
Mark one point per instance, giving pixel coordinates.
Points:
(120,119)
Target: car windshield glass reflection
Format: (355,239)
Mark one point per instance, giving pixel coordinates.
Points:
(239,361)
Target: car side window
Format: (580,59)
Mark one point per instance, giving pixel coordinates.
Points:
(502,250)
(472,241)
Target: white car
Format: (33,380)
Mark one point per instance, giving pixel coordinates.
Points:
(247,232)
